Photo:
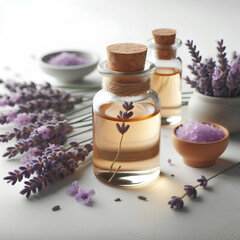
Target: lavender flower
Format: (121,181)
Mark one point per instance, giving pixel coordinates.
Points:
(176,203)
(191,191)
(222,59)
(195,54)
(15,97)
(210,79)
(122,129)
(11,115)
(58,135)
(44,131)
(22,119)
(31,155)
(203,181)
(4,101)
(54,163)
(74,189)
(84,196)
(218,83)
(233,78)
(125,115)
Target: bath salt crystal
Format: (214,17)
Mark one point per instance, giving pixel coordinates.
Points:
(199,132)
(67,59)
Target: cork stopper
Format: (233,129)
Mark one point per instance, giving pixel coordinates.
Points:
(126,57)
(164,36)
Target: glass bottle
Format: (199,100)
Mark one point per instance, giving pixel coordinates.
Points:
(126,158)
(166,81)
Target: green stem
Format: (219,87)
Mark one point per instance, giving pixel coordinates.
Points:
(88,125)
(223,171)
(119,149)
(74,135)
(80,120)
(236,92)
(229,92)
(77,110)
(234,165)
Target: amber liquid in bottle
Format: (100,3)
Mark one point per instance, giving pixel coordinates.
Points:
(139,151)
(167,83)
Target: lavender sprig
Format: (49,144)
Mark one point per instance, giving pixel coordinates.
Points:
(191,192)
(55,162)
(211,79)
(54,134)
(233,78)
(222,58)
(123,128)
(196,57)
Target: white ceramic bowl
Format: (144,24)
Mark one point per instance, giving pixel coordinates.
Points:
(224,111)
(69,74)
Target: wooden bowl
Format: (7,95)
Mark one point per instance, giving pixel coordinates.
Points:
(200,154)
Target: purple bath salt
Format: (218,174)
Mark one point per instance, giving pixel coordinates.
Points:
(67,59)
(199,132)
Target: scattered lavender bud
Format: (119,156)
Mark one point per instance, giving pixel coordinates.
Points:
(118,200)
(74,189)
(203,181)
(56,208)
(172,175)
(169,160)
(142,198)
(84,196)
(176,203)
(191,191)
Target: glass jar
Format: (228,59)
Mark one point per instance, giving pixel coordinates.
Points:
(166,81)
(126,128)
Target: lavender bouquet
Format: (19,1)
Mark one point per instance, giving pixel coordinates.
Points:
(212,79)
(43,121)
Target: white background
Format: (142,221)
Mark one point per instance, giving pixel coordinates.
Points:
(31,28)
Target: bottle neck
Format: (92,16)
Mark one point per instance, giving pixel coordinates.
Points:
(164,52)
(125,86)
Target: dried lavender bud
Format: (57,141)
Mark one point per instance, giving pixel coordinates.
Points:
(118,200)
(222,59)
(176,203)
(195,54)
(233,78)
(54,163)
(191,191)
(203,181)
(56,208)
(218,84)
(125,115)
(57,134)
(142,198)
(172,175)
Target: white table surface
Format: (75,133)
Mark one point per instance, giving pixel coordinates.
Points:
(30,28)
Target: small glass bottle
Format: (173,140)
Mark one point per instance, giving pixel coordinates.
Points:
(166,81)
(126,127)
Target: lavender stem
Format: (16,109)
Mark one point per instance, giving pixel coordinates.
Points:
(119,149)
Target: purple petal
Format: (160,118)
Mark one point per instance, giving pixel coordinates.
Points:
(73,190)
(86,200)
(78,197)
(91,192)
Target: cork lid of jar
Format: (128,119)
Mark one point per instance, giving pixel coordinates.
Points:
(126,57)
(164,36)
